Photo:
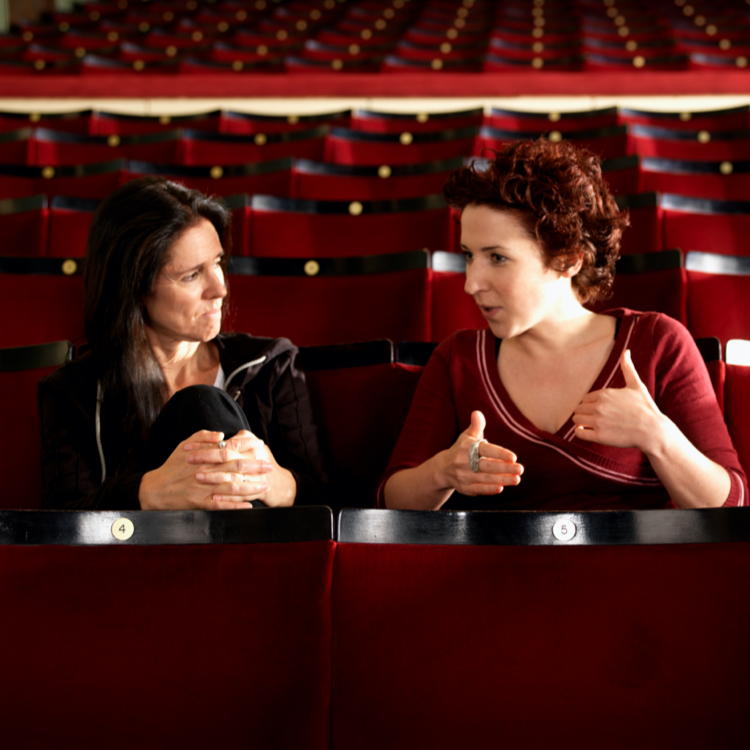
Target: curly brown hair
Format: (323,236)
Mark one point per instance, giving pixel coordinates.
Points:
(560,196)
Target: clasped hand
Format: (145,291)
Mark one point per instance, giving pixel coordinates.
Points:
(498,467)
(200,475)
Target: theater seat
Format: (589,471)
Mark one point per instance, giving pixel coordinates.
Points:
(711,351)
(20,454)
(725,180)
(113,123)
(452,308)
(266,177)
(420,122)
(644,235)
(57,149)
(543,122)
(359,147)
(43,297)
(332,300)
(691,145)
(718,294)
(156,609)
(343,182)
(295,228)
(24,226)
(623,175)
(69,222)
(360,395)
(607,143)
(539,642)
(247,123)
(209,149)
(731,118)
(737,397)
(650,281)
(713,226)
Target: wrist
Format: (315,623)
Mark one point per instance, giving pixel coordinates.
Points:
(146,491)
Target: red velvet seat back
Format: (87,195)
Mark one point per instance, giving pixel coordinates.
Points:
(61,149)
(644,235)
(707,225)
(92,181)
(315,181)
(440,646)
(651,281)
(20,448)
(331,309)
(737,409)
(268,178)
(717,301)
(24,226)
(358,147)
(701,145)
(44,307)
(718,180)
(208,149)
(359,411)
(452,308)
(337,229)
(69,223)
(170,645)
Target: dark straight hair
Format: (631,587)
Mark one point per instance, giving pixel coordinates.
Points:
(129,242)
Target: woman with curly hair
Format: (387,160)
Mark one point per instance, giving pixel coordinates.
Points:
(555,406)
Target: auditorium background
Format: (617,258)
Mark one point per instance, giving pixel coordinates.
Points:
(329,127)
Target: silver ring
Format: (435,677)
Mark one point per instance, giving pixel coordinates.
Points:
(222,444)
(474,455)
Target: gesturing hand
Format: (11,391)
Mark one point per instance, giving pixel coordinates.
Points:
(621,417)
(497,466)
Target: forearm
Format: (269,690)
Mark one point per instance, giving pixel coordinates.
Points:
(418,488)
(691,478)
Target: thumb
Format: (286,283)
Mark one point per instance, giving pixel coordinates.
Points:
(476,428)
(632,379)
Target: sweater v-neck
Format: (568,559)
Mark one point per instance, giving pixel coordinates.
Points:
(626,320)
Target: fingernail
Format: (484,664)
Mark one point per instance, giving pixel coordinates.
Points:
(200,476)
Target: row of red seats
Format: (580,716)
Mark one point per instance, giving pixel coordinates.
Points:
(279,227)
(355,643)
(316,180)
(95,122)
(370,36)
(412,296)
(357,434)
(44,147)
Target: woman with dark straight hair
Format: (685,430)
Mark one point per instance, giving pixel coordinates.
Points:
(165,410)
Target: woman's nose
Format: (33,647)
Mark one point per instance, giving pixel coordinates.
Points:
(218,286)
(475,279)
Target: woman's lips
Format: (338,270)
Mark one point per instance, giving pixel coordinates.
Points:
(488,312)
